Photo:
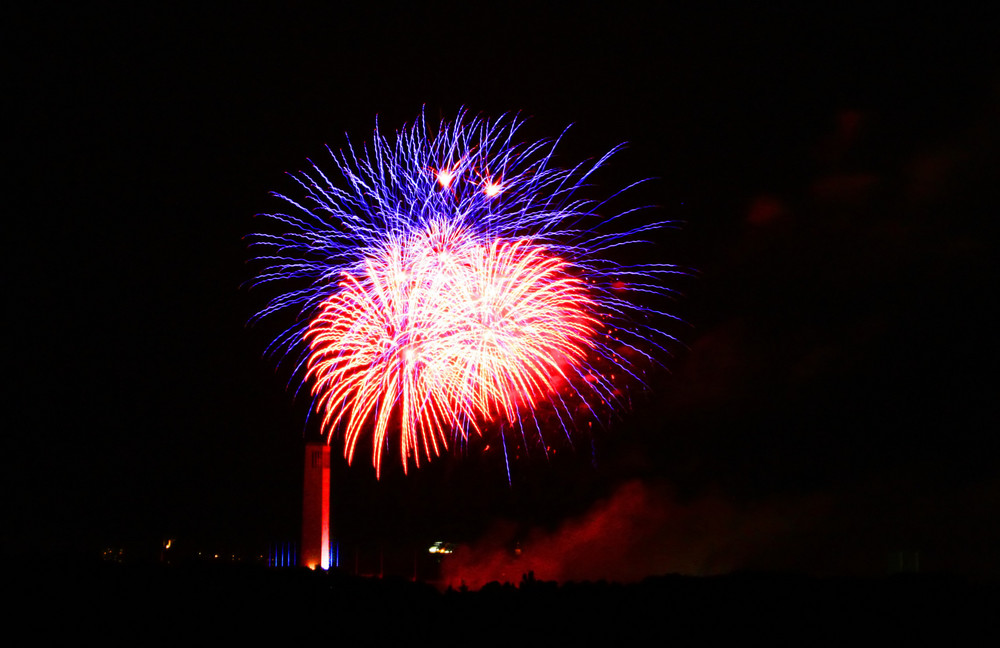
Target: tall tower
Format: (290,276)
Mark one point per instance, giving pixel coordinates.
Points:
(316,507)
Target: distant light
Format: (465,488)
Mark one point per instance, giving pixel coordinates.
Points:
(441,548)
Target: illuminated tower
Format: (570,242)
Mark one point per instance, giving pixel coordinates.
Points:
(316,508)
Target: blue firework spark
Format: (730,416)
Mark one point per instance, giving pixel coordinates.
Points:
(431,280)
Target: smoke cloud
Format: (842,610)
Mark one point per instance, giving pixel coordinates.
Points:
(639,531)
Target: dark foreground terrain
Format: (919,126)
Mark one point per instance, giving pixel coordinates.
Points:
(162,604)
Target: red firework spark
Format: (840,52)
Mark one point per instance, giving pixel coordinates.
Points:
(441,333)
(478,291)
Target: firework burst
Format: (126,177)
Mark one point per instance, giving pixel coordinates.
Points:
(452,284)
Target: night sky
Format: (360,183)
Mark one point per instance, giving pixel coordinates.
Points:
(834,180)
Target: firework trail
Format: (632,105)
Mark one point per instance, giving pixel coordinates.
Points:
(452,284)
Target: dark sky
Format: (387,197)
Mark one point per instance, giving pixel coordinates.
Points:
(836,175)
